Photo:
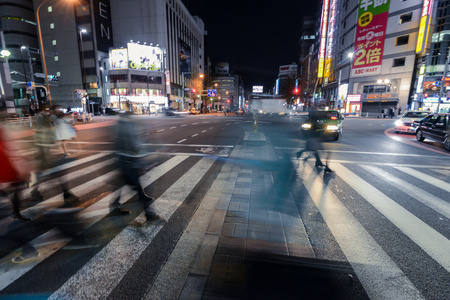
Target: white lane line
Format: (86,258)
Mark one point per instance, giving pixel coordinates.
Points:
(380,276)
(51,241)
(211,127)
(173,127)
(427,178)
(431,241)
(203,131)
(194,135)
(206,122)
(413,191)
(369,153)
(73,163)
(190,145)
(180,141)
(116,258)
(184,125)
(194,123)
(161,130)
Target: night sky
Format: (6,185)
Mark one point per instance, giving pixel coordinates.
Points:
(255,37)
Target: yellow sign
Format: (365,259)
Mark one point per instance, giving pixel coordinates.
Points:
(365,19)
(327,67)
(422,37)
(320,68)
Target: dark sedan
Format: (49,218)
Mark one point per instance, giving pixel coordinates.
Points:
(435,127)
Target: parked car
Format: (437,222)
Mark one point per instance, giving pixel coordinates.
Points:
(409,121)
(193,111)
(170,111)
(435,127)
(328,122)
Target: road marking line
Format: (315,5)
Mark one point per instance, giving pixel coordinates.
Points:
(117,257)
(413,191)
(194,135)
(427,178)
(211,127)
(191,145)
(161,130)
(203,131)
(183,125)
(51,241)
(173,127)
(375,269)
(194,123)
(431,241)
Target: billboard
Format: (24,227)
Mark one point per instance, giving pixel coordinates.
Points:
(222,68)
(103,26)
(370,36)
(258,89)
(330,39)
(142,57)
(323,38)
(119,59)
(424,27)
(185,57)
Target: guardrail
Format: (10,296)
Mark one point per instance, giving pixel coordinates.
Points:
(21,122)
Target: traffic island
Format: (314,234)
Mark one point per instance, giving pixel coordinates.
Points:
(254,139)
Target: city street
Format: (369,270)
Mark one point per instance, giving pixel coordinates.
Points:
(245,218)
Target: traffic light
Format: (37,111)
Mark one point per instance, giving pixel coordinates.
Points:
(228,101)
(193,91)
(296,91)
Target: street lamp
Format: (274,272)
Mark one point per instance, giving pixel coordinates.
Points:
(379,81)
(41,42)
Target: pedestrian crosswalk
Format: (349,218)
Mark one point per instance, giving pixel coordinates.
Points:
(366,207)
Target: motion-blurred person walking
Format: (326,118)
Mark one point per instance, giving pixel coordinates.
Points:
(314,138)
(128,148)
(63,131)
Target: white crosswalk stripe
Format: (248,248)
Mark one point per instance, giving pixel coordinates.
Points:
(380,274)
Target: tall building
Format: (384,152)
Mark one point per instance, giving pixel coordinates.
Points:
(229,87)
(381,37)
(21,40)
(287,81)
(432,54)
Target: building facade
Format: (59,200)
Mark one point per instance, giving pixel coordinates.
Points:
(380,37)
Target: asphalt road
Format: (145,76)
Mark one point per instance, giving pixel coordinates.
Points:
(388,190)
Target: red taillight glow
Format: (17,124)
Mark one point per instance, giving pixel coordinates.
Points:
(333,118)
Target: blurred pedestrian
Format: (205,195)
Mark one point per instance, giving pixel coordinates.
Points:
(63,131)
(129,154)
(14,172)
(45,139)
(314,138)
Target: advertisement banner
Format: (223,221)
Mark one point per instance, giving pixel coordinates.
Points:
(185,57)
(424,28)
(370,36)
(142,57)
(119,59)
(323,38)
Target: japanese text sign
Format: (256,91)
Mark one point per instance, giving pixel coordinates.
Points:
(370,36)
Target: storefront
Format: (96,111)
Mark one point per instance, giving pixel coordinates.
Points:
(352,106)
(431,104)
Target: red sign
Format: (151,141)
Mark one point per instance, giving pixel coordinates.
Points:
(370,36)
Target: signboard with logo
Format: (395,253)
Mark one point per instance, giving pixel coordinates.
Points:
(143,57)
(185,57)
(258,89)
(330,39)
(119,59)
(103,26)
(424,27)
(370,36)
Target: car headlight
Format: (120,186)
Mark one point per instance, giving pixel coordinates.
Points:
(398,123)
(332,127)
(306,126)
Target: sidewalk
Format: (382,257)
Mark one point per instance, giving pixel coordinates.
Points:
(242,217)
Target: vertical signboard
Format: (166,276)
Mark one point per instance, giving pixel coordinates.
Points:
(330,40)
(185,57)
(424,27)
(103,26)
(370,36)
(323,38)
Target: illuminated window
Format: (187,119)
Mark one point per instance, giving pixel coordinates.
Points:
(50,8)
(405,18)
(52,25)
(56,58)
(402,40)
(54,42)
(399,62)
